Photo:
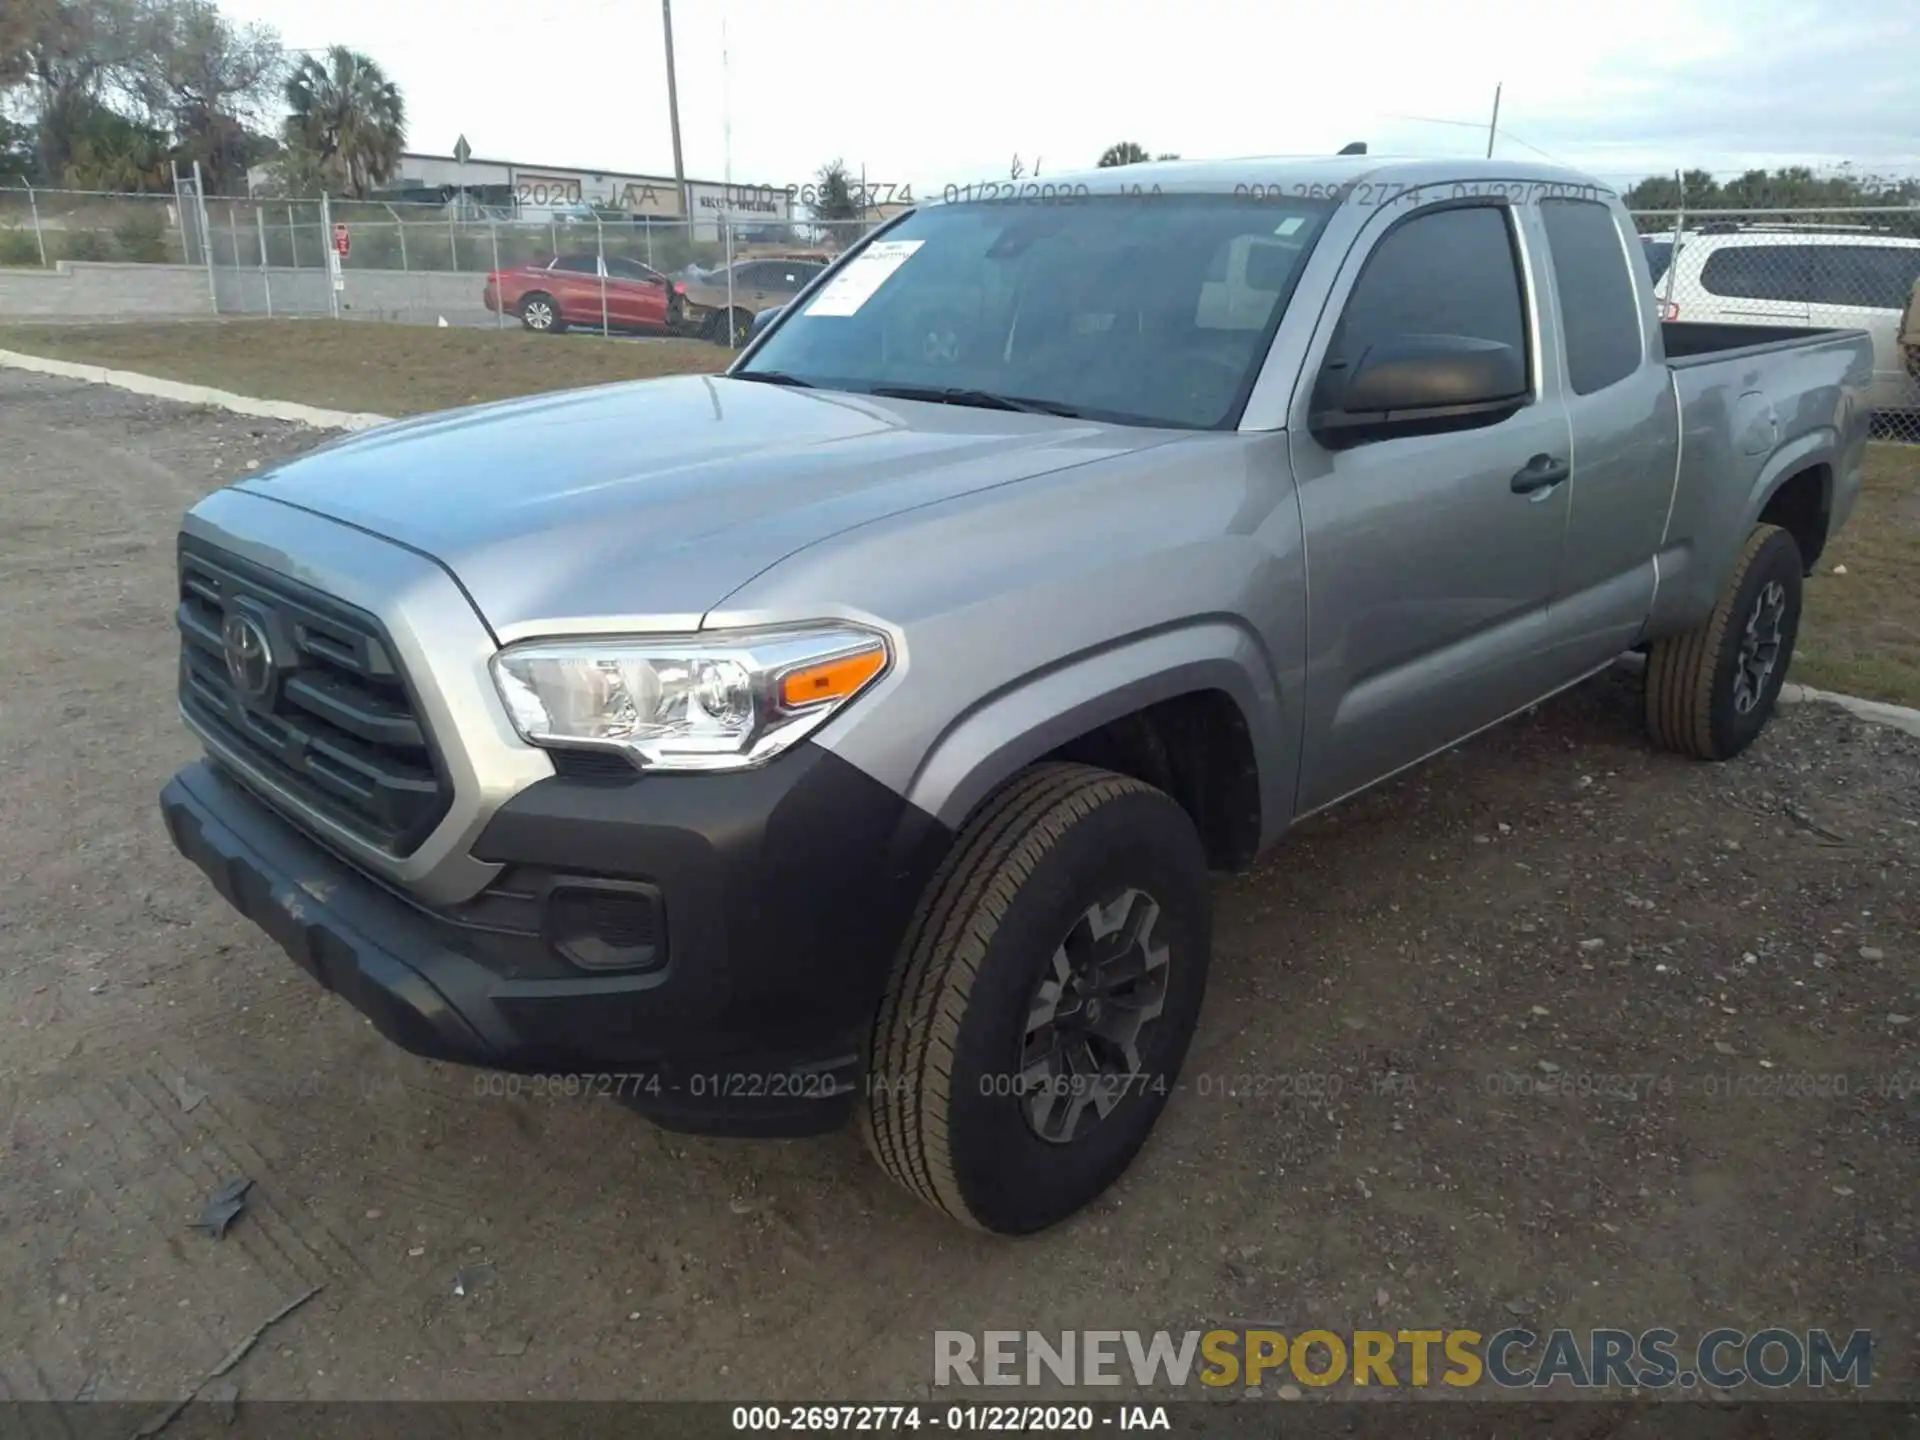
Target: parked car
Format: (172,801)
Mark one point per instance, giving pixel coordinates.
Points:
(851,734)
(725,315)
(1772,275)
(619,293)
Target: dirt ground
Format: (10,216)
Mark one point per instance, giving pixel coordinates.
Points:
(1554,1030)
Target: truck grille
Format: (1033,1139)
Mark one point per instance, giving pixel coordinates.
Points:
(306,690)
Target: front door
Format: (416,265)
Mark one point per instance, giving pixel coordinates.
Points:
(635,299)
(1431,558)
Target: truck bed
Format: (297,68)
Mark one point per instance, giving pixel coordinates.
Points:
(1692,342)
(1754,401)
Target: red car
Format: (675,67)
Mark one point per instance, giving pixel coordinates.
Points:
(549,295)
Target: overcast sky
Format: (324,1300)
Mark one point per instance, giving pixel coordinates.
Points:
(931,93)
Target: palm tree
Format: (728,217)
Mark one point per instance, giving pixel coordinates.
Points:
(1127,152)
(348,115)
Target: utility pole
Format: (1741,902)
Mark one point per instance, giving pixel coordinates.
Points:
(1493,125)
(673,110)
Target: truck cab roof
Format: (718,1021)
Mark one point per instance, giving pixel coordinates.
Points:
(1328,172)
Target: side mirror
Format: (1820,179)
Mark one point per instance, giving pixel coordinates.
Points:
(763,319)
(1415,384)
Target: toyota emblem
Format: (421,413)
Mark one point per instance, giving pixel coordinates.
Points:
(249,656)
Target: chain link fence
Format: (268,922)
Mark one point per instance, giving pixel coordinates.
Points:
(45,227)
(452,264)
(1854,268)
(463,264)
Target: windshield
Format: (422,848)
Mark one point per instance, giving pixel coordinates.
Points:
(1150,310)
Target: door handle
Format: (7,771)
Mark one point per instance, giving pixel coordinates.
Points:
(1542,472)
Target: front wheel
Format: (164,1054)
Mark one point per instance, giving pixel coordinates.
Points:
(1711,690)
(1043,1001)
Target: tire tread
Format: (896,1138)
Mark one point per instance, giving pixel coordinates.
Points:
(1681,669)
(916,1033)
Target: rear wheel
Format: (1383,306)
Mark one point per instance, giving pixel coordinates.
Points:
(1043,1000)
(540,312)
(1711,690)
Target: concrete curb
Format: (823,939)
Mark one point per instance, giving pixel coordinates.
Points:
(1877,712)
(1900,717)
(160,389)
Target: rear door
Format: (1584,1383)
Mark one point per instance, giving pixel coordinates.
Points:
(1867,285)
(1742,283)
(1429,574)
(575,284)
(1625,427)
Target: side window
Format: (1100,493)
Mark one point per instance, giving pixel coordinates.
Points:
(754,277)
(1659,256)
(1448,272)
(1757,272)
(624,269)
(578,264)
(1598,311)
(1870,277)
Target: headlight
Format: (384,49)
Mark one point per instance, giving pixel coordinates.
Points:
(724,701)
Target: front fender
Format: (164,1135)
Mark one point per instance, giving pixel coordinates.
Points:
(1017,725)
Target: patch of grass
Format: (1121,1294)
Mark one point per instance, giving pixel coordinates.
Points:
(142,237)
(365,365)
(1860,634)
(85,245)
(19,247)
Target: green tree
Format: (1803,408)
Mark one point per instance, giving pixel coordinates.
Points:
(294,172)
(1127,152)
(347,114)
(65,56)
(208,82)
(1792,187)
(834,196)
(107,151)
(19,163)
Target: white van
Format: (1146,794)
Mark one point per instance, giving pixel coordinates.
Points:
(1834,276)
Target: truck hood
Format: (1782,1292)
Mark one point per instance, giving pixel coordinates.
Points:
(642,506)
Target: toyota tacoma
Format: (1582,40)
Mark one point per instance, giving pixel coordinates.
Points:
(850,736)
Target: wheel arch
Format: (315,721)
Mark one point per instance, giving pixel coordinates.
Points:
(1193,709)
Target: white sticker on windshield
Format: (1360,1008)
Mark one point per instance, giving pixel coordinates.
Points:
(864,274)
(1288,225)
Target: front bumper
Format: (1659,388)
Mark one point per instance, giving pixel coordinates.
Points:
(782,895)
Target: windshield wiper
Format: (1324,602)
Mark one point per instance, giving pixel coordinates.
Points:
(774,377)
(980,399)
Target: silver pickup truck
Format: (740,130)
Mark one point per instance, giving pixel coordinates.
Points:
(851,735)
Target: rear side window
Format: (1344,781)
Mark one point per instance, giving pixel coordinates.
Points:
(1868,277)
(1659,256)
(1758,272)
(1598,310)
(578,264)
(1446,272)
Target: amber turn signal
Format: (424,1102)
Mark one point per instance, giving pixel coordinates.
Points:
(831,679)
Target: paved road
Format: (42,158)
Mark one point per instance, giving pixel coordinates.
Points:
(1361,1138)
